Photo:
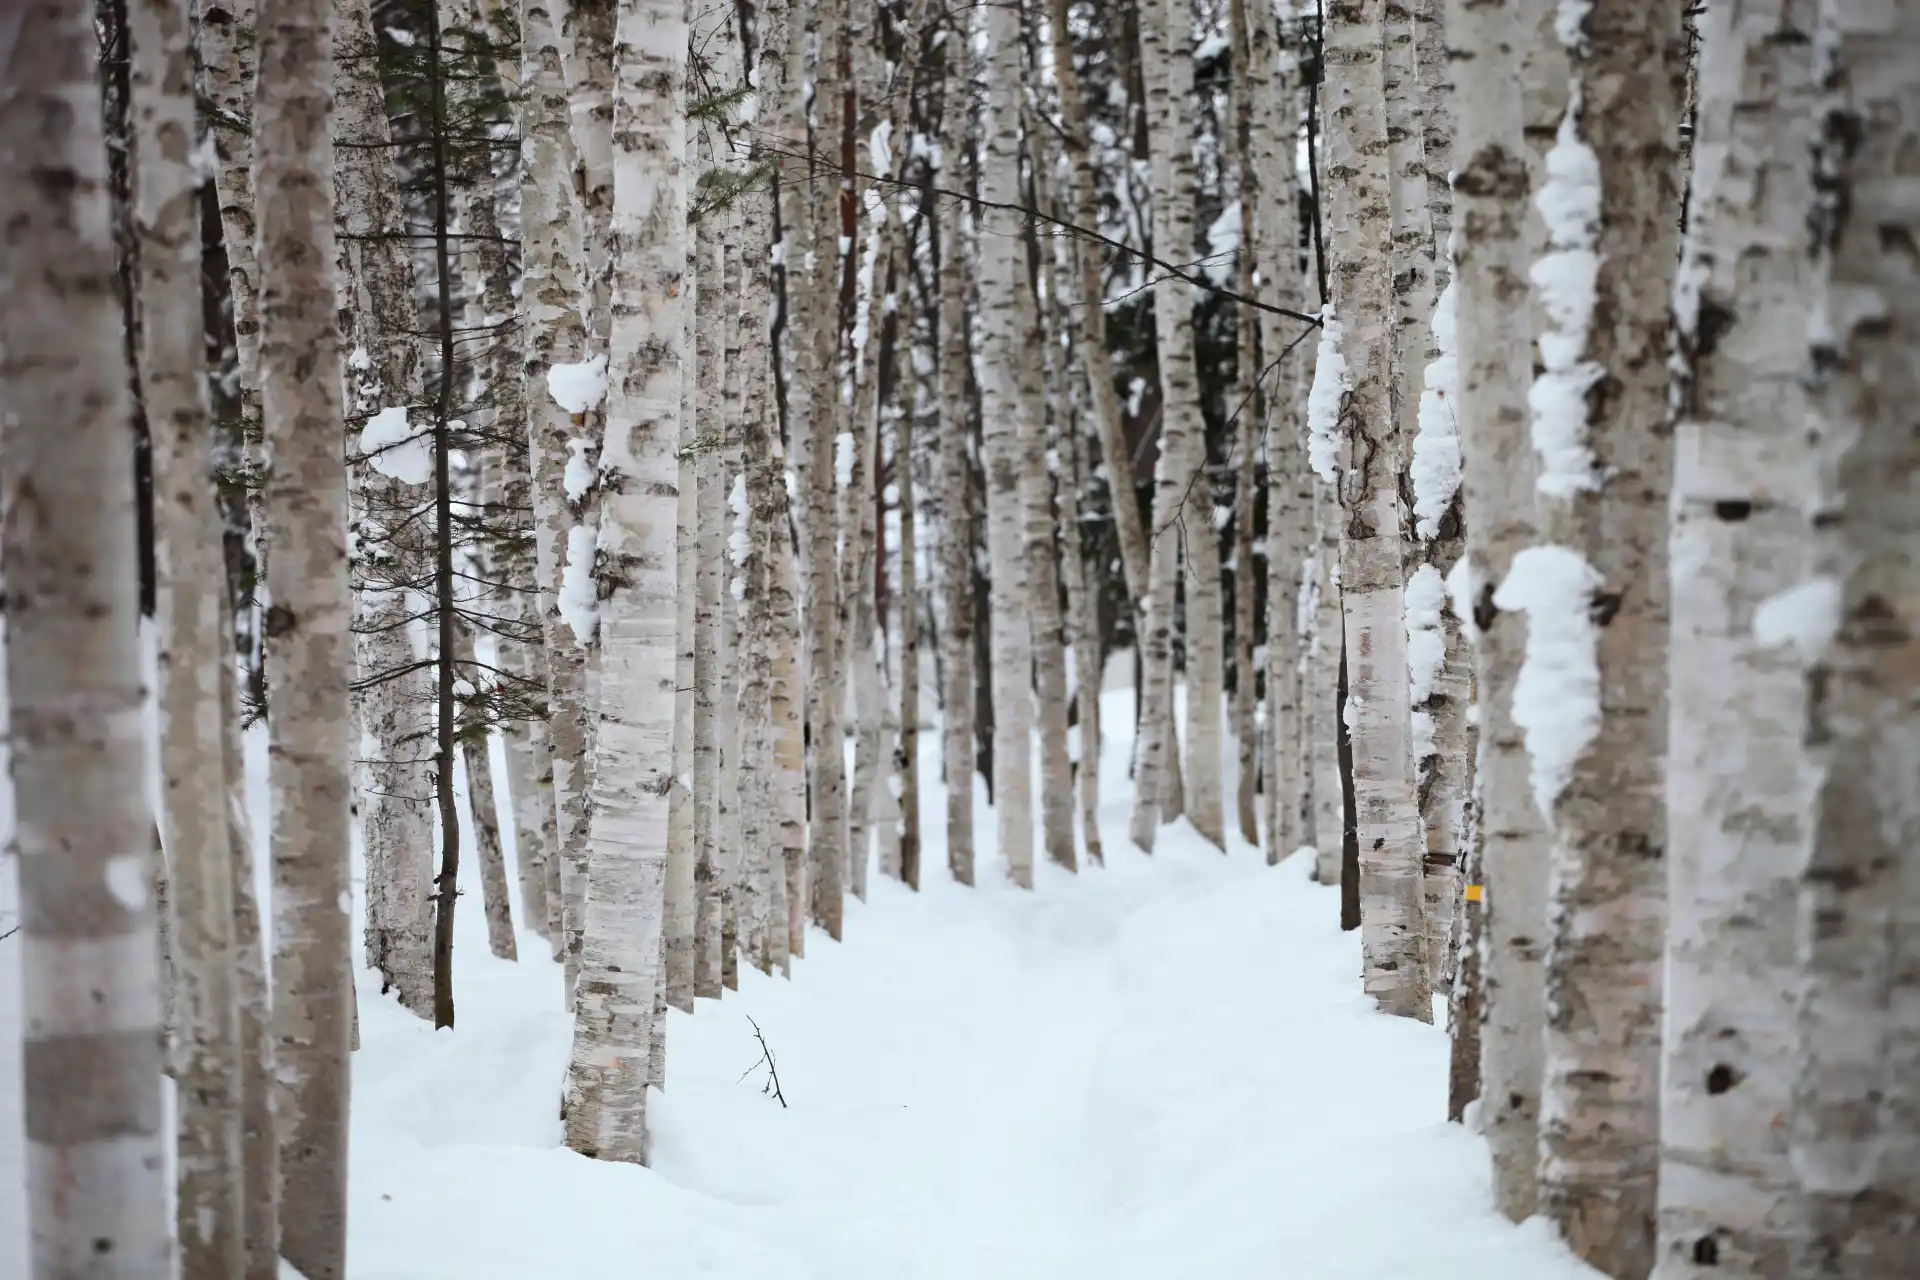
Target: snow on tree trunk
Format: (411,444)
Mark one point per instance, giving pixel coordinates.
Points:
(309,649)
(563,390)
(1421,390)
(1356,435)
(94,1175)
(1493,47)
(620,965)
(1006,424)
(1738,821)
(392,460)
(191,621)
(1851,1133)
(1591,691)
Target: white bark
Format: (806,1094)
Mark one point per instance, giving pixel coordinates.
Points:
(309,655)
(1852,1134)
(952,482)
(394,705)
(1005,425)
(711,432)
(194,642)
(563,444)
(620,969)
(1492,47)
(683,822)
(1373,535)
(95,1182)
(1600,602)
(1738,828)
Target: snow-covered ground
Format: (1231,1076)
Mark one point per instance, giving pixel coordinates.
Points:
(1163,1068)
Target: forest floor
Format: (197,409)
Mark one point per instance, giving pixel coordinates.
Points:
(1160,1069)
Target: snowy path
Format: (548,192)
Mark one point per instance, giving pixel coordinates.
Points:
(1161,1069)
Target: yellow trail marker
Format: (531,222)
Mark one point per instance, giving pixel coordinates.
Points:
(1474,893)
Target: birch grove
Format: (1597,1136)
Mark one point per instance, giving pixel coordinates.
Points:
(1455,453)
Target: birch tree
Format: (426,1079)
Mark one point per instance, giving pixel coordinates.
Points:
(308,652)
(1369,451)
(194,640)
(1005,422)
(1851,1128)
(952,470)
(1590,693)
(620,971)
(394,695)
(83,828)
(1738,794)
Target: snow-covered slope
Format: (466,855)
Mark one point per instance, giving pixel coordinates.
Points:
(1161,1069)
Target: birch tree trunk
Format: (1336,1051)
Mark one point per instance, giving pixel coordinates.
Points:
(1166,48)
(194,640)
(812,313)
(1245,425)
(953,473)
(94,1173)
(565,450)
(1006,423)
(620,969)
(683,824)
(1373,537)
(586,46)
(711,428)
(1082,205)
(1270,208)
(394,704)
(1852,1135)
(309,653)
(1738,829)
(1590,694)
(1492,47)
(483,813)
(1043,571)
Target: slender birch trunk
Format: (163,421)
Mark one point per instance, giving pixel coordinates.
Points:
(1590,695)
(565,450)
(394,703)
(194,639)
(1244,403)
(1166,49)
(710,301)
(1271,215)
(94,1174)
(1082,206)
(309,653)
(1006,423)
(586,45)
(1738,822)
(1373,538)
(953,470)
(1037,481)
(812,312)
(1851,1130)
(482,811)
(1493,47)
(683,834)
(614,1054)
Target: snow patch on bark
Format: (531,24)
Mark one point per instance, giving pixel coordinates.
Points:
(1423,743)
(579,599)
(843,459)
(1567,279)
(1463,589)
(1436,447)
(578,387)
(1556,699)
(126,878)
(394,448)
(1806,617)
(581,472)
(1330,386)
(1426,597)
